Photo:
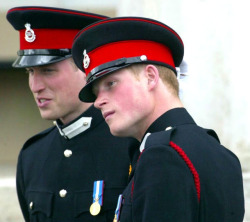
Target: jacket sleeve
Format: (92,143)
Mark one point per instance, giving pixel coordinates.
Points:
(164,188)
(21,189)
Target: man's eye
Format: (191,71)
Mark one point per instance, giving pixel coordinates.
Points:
(29,71)
(111,83)
(47,70)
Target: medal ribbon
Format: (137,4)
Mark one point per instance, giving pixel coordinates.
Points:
(118,208)
(98,192)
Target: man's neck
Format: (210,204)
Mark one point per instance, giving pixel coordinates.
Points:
(74,115)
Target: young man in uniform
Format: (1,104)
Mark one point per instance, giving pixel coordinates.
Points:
(75,170)
(183,172)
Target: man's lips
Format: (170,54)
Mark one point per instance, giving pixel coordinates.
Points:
(106,115)
(42,102)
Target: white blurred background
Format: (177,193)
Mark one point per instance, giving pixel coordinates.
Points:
(216,38)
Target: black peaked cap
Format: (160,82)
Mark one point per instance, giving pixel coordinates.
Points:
(44,20)
(116,30)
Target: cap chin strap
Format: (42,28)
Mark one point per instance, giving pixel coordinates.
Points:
(49,52)
(75,128)
(121,63)
(113,65)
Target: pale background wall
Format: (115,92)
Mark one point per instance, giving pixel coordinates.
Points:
(216,38)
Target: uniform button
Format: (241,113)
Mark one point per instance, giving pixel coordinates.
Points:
(85,123)
(67,153)
(63,193)
(31,205)
(168,128)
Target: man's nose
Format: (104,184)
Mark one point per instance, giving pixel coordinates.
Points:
(36,83)
(100,101)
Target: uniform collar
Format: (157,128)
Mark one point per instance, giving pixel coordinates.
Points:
(171,118)
(90,117)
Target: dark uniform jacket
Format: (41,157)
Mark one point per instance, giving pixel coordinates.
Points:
(55,175)
(183,174)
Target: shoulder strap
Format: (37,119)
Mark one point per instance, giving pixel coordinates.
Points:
(212,133)
(37,136)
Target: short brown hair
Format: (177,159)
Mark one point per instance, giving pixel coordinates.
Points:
(73,63)
(167,76)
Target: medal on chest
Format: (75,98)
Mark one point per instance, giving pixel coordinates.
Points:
(95,207)
(118,209)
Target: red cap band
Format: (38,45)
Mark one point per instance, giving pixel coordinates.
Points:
(131,48)
(49,39)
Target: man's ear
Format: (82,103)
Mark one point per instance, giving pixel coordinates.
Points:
(152,75)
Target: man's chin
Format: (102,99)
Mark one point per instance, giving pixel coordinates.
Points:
(118,133)
(47,116)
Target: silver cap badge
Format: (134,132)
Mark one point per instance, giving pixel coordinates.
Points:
(86,59)
(29,33)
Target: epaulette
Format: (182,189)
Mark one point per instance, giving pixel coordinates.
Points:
(37,136)
(212,133)
(164,138)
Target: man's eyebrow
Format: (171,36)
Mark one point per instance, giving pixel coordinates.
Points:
(94,89)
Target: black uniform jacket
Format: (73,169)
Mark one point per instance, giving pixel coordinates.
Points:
(183,175)
(54,185)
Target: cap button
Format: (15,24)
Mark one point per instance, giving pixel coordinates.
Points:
(143,58)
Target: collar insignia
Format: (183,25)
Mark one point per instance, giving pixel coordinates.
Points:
(75,128)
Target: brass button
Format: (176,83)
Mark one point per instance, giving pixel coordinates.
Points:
(67,153)
(63,193)
(168,128)
(31,205)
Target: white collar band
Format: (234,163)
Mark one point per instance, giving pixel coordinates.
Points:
(75,128)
